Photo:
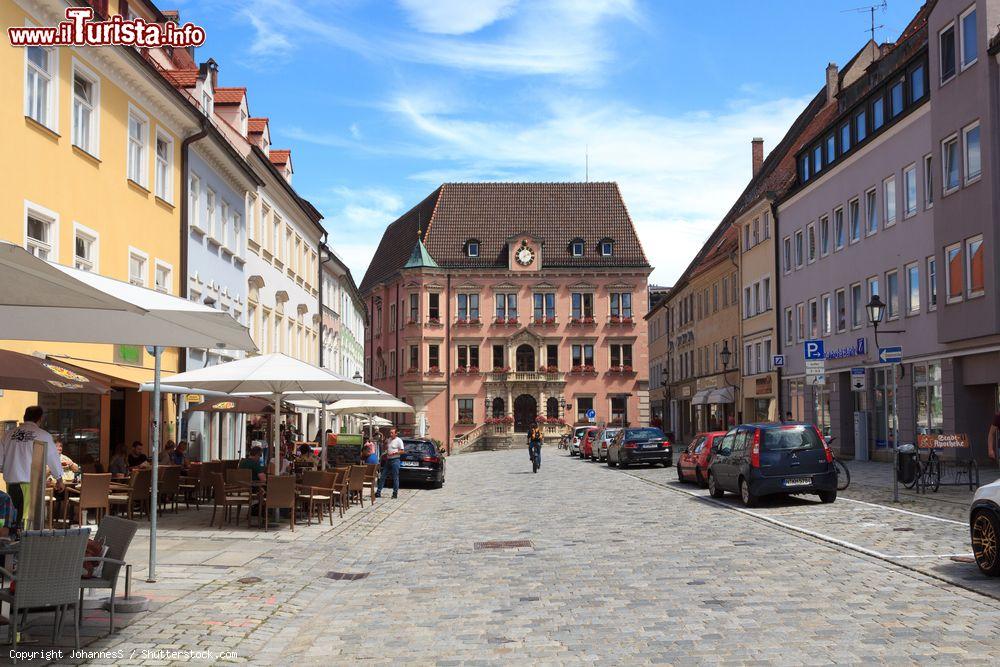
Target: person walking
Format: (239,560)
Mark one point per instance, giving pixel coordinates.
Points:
(535,446)
(16,449)
(393,449)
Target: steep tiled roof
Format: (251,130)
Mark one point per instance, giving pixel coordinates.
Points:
(183,78)
(256,125)
(492,213)
(398,240)
(229,95)
(279,157)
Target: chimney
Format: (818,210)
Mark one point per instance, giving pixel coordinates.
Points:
(832,84)
(756,154)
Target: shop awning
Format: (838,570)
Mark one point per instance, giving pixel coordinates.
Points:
(117,375)
(716,396)
(701,397)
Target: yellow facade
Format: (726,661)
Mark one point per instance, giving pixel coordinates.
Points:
(77,191)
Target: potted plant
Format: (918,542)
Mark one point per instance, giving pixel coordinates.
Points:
(434,370)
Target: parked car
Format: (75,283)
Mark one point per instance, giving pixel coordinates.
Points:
(639,445)
(984,526)
(756,460)
(601,442)
(587,443)
(692,463)
(576,440)
(421,462)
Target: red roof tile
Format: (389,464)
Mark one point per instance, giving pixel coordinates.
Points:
(229,95)
(279,157)
(182,78)
(256,125)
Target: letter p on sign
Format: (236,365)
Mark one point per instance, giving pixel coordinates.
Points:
(813,349)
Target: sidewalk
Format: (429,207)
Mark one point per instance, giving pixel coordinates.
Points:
(871,482)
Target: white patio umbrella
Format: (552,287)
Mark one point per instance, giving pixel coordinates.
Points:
(40,300)
(384,403)
(275,375)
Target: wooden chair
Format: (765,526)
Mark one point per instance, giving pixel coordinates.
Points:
(371,479)
(222,498)
(356,484)
(280,495)
(94,491)
(138,491)
(234,475)
(169,485)
(339,490)
(316,492)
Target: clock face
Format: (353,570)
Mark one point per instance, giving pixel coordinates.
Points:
(525,256)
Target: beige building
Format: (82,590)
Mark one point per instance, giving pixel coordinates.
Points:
(658,326)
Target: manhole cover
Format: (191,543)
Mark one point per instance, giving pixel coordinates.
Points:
(249,580)
(502,544)
(963,559)
(903,530)
(347,576)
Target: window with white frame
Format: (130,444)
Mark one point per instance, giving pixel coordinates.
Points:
(765,288)
(892,295)
(854,221)
(194,201)
(974,269)
(912,288)
(946,44)
(40,74)
(41,232)
(949,164)
(968,41)
(237,225)
(789,327)
(223,229)
(757,305)
(137,263)
(746,238)
(748,360)
(210,211)
(800,318)
(857,306)
(162,277)
(86,109)
(909,191)
(840,309)
(824,236)
(811,243)
(839,235)
(813,318)
(798,249)
(747,302)
(954,281)
(973,155)
(928,180)
(767,225)
(871,212)
(85,248)
(932,283)
(138,137)
(164,167)
(889,195)
(786,254)
(826,315)
(873,287)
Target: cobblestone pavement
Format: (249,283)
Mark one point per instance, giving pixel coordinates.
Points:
(622,567)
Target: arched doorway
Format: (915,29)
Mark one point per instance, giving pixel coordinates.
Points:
(525,412)
(498,408)
(525,357)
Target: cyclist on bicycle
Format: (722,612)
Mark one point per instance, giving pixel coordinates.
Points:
(535,446)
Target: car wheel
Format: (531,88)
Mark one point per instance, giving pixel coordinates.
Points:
(713,487)
(986,542)
(699,478)
(828,496)
(749,499)
(680,472)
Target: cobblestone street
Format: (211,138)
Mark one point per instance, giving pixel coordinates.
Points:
(622,566)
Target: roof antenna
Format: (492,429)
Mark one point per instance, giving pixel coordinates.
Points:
(871,12)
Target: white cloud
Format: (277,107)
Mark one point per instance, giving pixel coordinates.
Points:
(679,175)
(455,17)
(355,219)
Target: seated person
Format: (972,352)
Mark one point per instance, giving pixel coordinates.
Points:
(305,454)
(254,463)
(69,467)
(180,457)
(136,458)
(119,462)
(167,455)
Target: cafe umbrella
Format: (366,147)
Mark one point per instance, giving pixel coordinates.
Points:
(371,405)
(40,300)
(26,372)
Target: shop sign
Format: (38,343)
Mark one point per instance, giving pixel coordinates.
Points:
(859,349)
(193,398)
(943,441)
(764,386)
(707,383)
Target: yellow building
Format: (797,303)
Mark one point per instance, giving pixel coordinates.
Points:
(92,140)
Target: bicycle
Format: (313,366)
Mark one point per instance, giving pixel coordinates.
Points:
(536,454)
(843,474)
(928,473)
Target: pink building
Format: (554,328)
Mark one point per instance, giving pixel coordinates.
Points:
(496,305)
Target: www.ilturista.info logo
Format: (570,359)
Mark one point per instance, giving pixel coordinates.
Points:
(79,29)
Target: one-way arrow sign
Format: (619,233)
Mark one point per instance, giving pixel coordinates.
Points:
(890,355)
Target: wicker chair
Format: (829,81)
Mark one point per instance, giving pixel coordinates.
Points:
(94,490)
(139,491)
(224,499)
(48,575)
(169,485)
(356,484)
(280,496)
(316,493)
(117,534)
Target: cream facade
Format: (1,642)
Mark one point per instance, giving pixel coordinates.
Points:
(758,321)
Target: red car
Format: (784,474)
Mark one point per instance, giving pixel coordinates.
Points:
(587,444)
(692,464)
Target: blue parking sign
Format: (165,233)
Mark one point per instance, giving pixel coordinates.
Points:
(813,349)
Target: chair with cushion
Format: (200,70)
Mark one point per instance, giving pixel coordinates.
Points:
(49,565)
(116,534)
(136,493)
(94,490)
(226,499)
(280,495)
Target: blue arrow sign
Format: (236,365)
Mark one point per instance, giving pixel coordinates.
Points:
(890,355)
(813,349)
(591,414)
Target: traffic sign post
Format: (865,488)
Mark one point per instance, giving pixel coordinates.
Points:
(890,355)
(591,415)
(813,349)
(859,379)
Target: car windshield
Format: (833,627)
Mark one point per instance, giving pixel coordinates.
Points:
(421,447)
(643,435)
(700,445)
(789,438)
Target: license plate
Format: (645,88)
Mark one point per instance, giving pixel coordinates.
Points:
(650,445)
(410,464)
(798,481)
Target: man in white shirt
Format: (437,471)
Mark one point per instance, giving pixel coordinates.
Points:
(392,452)
(16,449)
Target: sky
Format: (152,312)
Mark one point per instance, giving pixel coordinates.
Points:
(381,101)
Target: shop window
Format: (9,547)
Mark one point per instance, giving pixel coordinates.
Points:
(928,398)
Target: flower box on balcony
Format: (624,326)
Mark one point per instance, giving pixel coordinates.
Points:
(467,322)
(465,422)
(581,321)
(501,369)
(433,321)
(413,371)
(543,321)
(549,369)
(583,370)
(434,370)
(467,370)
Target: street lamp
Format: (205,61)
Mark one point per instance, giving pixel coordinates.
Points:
(726,355)
(876,311)
(357,376)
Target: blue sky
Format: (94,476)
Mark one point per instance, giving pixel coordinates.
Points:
(382,100)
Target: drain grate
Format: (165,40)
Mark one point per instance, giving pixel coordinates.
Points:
(347,576)
(497,545)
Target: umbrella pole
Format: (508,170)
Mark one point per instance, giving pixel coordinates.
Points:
(322,434)
(154,448)
(277,434)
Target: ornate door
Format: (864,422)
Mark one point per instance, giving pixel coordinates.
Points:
(525,412)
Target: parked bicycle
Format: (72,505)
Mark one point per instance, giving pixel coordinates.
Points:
(843,474)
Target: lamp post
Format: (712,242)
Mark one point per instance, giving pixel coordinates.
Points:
(876,311)
(726,355)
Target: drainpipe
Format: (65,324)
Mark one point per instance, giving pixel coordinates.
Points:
(779,312)
(322,260)
(185,220)
(395,326)
(447,360)
(739,390)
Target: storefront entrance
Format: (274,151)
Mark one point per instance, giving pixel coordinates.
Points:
(525,413)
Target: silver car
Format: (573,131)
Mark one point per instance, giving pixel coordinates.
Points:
(601,443)
(576,440)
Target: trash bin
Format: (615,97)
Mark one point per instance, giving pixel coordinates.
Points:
(906,463)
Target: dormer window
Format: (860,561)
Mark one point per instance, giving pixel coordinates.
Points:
(472,248)
(607,247)
(576,247)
